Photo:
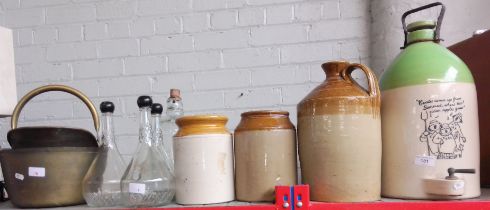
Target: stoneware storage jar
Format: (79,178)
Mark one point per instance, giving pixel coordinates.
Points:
(430,119)
(203,151)
(265,154)
(339,137)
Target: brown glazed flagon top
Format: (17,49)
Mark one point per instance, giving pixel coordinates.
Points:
(341,94)
(201,125)
(264,120)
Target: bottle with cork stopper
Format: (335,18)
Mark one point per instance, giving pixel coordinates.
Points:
(175,109)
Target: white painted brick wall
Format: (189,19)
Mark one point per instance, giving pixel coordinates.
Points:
(115,9)
(251,16)
(250,57)
(144,65)
(70,14)
(118,29)
(227,56)
(169,25)
(166,44)
(224,19)
(70,33)
(97,68)
(118,48)
(279,14)
(194,61)
(95,31)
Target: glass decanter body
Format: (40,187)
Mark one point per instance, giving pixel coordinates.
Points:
(147,181)
(102,183)
(175,109)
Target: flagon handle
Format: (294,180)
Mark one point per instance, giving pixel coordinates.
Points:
(438,24)
(373,89)
(26,98)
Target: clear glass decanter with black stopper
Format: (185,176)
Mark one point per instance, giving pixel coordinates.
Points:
(157,135)
(102,183)
(147,181)
(175,109)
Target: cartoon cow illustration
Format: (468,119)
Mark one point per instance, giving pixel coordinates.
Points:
(444,140)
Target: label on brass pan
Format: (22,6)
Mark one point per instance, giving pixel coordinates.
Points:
(137,188)
(37,171)
(19,176)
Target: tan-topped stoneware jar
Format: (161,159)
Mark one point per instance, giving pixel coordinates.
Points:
(203,152)
(265,154)
(339,137)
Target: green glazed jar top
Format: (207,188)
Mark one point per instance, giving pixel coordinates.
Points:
(420,35)
(423,24)
(425,63)
(421,31)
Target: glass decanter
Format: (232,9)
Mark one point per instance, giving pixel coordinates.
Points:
(157,135)
(147,181)
(175,109)
(102,183)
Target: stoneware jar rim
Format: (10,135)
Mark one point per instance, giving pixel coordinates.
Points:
(265,113)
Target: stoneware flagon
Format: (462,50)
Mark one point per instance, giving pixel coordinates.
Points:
(203,151)
(339,137)
(265,154)
(430,119)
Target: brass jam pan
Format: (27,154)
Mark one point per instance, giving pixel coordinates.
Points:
(45,136)
(47,164)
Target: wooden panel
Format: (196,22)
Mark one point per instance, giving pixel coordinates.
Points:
(475,52)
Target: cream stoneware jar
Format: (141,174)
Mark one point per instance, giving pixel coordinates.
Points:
(265,154)
(203,152)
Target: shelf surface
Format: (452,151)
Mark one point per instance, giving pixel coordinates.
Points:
(482,203)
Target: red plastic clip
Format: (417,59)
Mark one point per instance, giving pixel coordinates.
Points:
(302,197)
(295,197)
(283,198)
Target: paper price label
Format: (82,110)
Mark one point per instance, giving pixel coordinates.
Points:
(422,160)
(37,171)
(458,185)
(137,188)
(19,176)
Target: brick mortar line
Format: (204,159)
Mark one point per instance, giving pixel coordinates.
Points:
(132,117)
(218,91)
(207,30)
(276,46)
(190,10)
(179,72)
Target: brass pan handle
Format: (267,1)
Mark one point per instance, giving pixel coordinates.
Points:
(48,88)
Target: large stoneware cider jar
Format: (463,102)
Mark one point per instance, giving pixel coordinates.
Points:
(430,119)
(339,136)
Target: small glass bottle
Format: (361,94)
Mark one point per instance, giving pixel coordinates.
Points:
(147,181)
(157,137)
(102,183)
(175,109)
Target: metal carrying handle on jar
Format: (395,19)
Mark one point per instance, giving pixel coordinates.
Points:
(23,101)
(438,23)
(373,89)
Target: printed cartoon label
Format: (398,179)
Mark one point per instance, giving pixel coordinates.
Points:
(443,120)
